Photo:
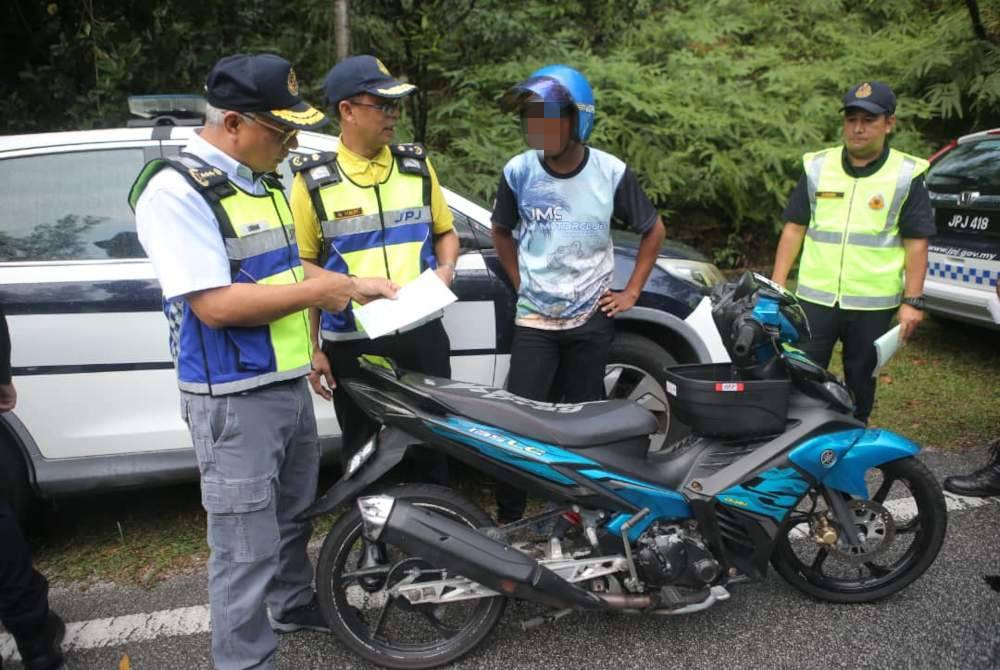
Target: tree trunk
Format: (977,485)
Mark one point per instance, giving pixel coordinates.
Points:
(977,21)
(341,30)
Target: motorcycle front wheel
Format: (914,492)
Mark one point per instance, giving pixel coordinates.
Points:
(354,579)
(900,530)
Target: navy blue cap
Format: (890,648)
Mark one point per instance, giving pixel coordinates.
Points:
(263,84)
(362,74)
(871,96)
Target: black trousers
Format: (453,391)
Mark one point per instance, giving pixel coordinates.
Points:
(24,592)
(425,349)
(857,330)
(555,366)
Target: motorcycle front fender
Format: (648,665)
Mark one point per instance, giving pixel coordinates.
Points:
(391,446)
(873,448)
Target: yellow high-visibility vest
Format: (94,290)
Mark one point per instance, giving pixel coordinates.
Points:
(853,254)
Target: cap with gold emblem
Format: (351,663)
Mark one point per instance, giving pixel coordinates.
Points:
(264,84)
(871,96)
(363,74)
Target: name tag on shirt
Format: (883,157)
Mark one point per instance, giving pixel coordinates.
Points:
(254,227)
(829,194)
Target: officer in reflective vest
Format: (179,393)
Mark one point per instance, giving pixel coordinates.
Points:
(861,216)
(372,208)
(217,228)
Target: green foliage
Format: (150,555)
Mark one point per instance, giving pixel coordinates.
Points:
(712,102)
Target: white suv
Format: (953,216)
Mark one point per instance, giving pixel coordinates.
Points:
(97,396)
(964,259)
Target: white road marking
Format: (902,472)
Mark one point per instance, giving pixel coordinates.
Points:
(121,630)
(131,628)
(906,508)
(957,503)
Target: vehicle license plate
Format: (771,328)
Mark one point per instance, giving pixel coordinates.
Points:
(969,222)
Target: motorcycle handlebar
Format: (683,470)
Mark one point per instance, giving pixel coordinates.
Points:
(744,339)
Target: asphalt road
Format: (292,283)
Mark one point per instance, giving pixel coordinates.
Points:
(950,618)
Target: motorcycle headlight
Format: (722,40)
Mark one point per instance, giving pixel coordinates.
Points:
(694,272)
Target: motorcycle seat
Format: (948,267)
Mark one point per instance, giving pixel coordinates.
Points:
(567,425)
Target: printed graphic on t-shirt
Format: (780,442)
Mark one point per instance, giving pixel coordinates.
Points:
(565,253)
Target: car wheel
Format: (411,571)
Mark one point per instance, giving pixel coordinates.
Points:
(636,371)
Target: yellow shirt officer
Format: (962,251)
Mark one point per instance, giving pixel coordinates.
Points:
(372,208)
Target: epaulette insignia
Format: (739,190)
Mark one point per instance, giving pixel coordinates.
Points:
(300,162)
(207,176)
(411,150)
(411,158)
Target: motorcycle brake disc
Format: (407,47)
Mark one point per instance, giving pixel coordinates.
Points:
(876,531)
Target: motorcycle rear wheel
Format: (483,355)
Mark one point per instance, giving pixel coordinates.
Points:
(907,524)
(392,632)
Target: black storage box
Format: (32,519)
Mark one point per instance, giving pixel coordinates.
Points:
(714,401)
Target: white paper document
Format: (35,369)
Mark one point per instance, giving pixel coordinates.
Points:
(885,347)
(419,299)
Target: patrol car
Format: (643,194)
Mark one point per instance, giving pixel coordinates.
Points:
(964,256)
(97,395)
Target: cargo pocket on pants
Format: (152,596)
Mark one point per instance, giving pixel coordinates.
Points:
(242,520)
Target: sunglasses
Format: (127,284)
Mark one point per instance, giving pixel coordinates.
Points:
(285,135)
(388,108)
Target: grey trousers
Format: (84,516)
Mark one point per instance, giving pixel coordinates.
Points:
(258,453)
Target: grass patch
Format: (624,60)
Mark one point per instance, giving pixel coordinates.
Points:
(941,389)
(135,538)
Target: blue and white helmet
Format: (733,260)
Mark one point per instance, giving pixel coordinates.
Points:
(557,84)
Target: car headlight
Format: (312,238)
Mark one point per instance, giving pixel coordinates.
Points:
(359,459)
(693,272)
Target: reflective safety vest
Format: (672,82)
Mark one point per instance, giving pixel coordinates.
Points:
(853,253)
(382,230)
(260,242)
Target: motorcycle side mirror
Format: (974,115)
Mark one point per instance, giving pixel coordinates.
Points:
(745,286)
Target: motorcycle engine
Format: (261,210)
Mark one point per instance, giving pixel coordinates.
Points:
(668,554)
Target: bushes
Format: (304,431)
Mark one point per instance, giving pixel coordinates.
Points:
(712,102)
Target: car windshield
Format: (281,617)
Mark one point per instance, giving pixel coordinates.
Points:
(973,166)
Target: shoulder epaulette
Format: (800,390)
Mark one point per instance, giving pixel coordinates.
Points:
(318,169)
(205,178)
(412,158)
(300,162)
(410,150)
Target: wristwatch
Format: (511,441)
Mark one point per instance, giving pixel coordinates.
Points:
(916,302)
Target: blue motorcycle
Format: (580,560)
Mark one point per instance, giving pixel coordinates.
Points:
(776,471)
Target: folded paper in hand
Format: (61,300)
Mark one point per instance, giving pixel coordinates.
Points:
(885,347)
(419,299)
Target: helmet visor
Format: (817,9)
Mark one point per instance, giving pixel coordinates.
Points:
(536,89)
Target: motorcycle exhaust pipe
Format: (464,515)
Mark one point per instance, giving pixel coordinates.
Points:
(454,546)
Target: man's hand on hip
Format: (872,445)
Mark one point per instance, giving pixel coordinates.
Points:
(8,397)
(615,302)
(909,319)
